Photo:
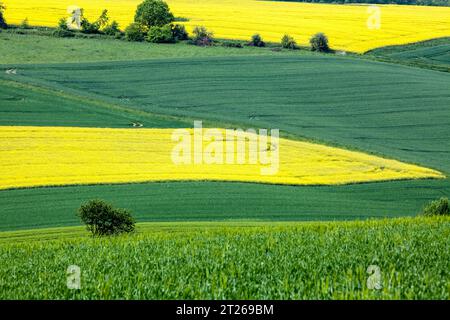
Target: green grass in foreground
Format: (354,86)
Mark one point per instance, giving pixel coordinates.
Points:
(28,48)
(316,260)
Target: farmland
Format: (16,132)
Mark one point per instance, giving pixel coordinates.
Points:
(43,156)
(411,125)
(234,261)
(364,146)
(346,26)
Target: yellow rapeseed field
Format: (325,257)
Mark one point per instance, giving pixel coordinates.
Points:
(345,25)
(41,156)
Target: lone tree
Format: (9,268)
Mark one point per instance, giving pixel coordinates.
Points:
(319,42)
(102,219)
(3,24)
(152,13)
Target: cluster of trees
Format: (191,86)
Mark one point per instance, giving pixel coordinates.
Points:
(408,2)
(154,22)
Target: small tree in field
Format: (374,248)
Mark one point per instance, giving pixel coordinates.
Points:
(257,41)
(103,219)
(202,36)
(3,24)
(288,42)
(153,13)
(437,208)
(319,42)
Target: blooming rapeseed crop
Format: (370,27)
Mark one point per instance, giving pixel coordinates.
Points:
(42,156)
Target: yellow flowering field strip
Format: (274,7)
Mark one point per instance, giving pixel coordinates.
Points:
(43,156)
(345,25)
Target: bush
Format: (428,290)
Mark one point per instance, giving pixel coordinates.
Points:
(319,42)
(134,32)
(160,34)
(231,44)
(288,42)
(62,30)
(437,208)
(179,32)
(88,27)
(112,29)
(202,36)
(103,219)
(3,24)
(63,33)
(153,13)
(24,24)
(256,41)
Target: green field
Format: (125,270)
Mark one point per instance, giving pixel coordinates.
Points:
(395,111)
(34,48)
(314,260)
(431,54)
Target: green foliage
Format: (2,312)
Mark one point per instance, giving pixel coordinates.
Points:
(88,27)
(288,42)
(160,34)
(24,24)
(319,42)
(257,41)
(231,260)
(101,219)
(112,29)
(179,32)
(134,32)
(153,13)
(3,24)
(62,30)
(231,44)
(437,208)
(202,36)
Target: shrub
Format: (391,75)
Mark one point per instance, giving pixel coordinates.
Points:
(134,32)
(3,24)
(62,30)
(112,29)
(103,219)
(63,33)
(88,27)
(256,41)
(437,208)
(153,13)
(160,34)
(288,42)
(319,42)
(231,44)
(202,36)
(179,32)
(24,24)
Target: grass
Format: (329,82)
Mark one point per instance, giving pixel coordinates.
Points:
(220,201)
(432,54)
(28,48)
(24,105)
(317,260)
